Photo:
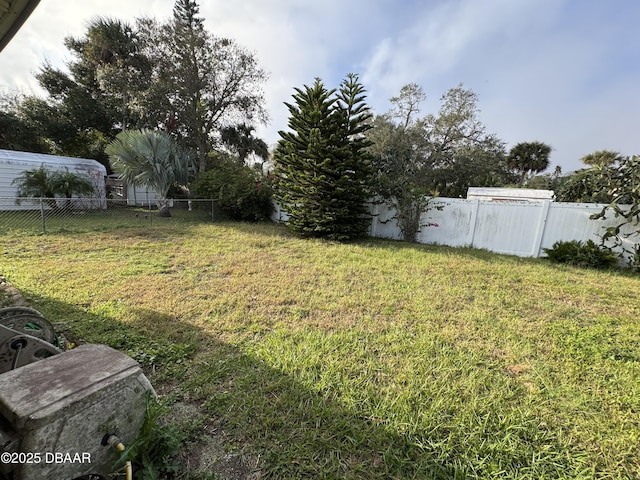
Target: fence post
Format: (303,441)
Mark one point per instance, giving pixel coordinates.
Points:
(374,219)
(472,221)
(149,208)
(542,222)
(44,224)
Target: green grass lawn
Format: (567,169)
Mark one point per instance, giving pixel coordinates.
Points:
(375,359)
(117,215)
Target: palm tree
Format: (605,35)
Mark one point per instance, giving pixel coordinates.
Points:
(43,183)
(69,184)
(604,158)
(151,158)
(113,48)
(109,41)
(529,157)
(35,183)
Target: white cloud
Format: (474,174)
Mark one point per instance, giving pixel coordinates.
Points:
(537,77)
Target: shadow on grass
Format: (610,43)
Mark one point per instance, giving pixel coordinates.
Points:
(263,413)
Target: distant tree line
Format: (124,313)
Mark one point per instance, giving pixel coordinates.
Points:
(397,157)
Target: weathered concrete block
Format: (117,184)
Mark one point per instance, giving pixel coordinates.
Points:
(63,406)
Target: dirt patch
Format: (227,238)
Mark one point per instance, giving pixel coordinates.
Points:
(210,454)
(520,371)
(9,295)
(517,370)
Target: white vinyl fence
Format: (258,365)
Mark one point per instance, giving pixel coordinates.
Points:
(515,228)
(510,227)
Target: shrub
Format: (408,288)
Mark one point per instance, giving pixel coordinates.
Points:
(242,193)
(582,254)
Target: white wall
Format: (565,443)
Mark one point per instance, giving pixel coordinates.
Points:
(141,196)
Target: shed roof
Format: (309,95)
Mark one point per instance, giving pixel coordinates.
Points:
(37,159)
(492,193)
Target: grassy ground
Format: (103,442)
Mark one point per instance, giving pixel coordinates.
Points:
(376,359)
(30,222)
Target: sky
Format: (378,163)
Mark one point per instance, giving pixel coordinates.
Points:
(563,72)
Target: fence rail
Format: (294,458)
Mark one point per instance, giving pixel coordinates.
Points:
(52,215)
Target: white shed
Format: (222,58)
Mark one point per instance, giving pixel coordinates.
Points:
(13,164)
(136,195)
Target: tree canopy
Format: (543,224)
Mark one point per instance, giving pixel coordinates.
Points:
(438,154)
(202,83)
(592,184)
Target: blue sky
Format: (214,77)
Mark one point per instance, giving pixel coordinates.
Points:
(565,72)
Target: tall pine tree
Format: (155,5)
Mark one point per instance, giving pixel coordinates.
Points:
(202,83)
(322,169)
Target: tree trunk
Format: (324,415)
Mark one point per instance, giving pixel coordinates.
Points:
(202,157)
(163,207)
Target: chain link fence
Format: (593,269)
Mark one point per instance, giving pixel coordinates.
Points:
(31,216)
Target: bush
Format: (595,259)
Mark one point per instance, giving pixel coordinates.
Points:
(242,193)
(582,254)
